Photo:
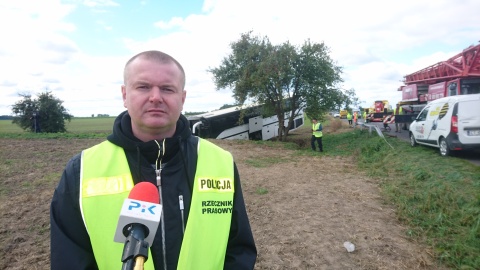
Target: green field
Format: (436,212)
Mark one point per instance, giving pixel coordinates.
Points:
(78,125)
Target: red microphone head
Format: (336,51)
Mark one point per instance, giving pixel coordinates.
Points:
(145,191)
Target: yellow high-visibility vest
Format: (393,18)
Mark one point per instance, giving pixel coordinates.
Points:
(398,111)
(105,182)
(317,133)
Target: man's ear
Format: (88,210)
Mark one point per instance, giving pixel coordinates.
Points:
(124,95)
(184,96)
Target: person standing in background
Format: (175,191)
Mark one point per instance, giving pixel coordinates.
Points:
(398,111)
(316,135)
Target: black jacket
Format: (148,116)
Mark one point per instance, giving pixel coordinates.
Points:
(70,243)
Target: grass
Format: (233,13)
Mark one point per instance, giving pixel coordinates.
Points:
(262,191)
(437,198)
(78,127)
(6,126)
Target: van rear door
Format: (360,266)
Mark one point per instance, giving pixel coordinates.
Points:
(469,120)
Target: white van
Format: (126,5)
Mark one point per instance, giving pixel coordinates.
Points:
(449,123)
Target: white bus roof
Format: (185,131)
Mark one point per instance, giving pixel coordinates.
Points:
(219,112)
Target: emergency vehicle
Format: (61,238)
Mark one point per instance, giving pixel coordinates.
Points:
(459,75)
(381,109)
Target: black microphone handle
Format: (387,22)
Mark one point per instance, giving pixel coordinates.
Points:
(135,245)
(128,265)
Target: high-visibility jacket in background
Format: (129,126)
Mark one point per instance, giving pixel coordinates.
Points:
(317,130)
(398,111)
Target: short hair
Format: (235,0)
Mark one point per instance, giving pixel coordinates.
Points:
(156,56)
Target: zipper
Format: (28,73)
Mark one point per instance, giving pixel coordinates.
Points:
(158,173)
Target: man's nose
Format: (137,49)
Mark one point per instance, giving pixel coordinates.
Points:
(156,94)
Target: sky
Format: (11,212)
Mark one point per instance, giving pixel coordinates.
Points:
(77,49)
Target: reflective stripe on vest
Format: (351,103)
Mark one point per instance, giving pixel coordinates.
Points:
(106,181)
(316,133)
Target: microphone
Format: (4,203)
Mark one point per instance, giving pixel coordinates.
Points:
(138,222)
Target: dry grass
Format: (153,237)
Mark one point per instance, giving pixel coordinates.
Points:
(336,124)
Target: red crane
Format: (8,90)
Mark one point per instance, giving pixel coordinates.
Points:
(459,75)
(463,65)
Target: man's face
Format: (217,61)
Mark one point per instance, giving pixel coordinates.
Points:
(154,96)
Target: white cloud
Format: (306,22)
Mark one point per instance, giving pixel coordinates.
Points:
(377,43)
(100,3)
(174,22)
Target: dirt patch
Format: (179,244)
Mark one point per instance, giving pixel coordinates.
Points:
(301,208)
(29,172)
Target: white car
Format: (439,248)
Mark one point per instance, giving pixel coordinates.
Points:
(449,123)
(337,115)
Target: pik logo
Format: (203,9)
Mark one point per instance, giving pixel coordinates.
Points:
(137,206)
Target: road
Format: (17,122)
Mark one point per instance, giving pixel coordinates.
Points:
(473,157)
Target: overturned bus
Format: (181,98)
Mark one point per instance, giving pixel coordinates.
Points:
(244,123)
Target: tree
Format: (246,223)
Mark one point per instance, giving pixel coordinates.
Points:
(45,114)
(226,106)
(349,99)
(282,77)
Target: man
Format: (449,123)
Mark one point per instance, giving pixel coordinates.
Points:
(349,118)
(316,135)
(398,110)
(152,141)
